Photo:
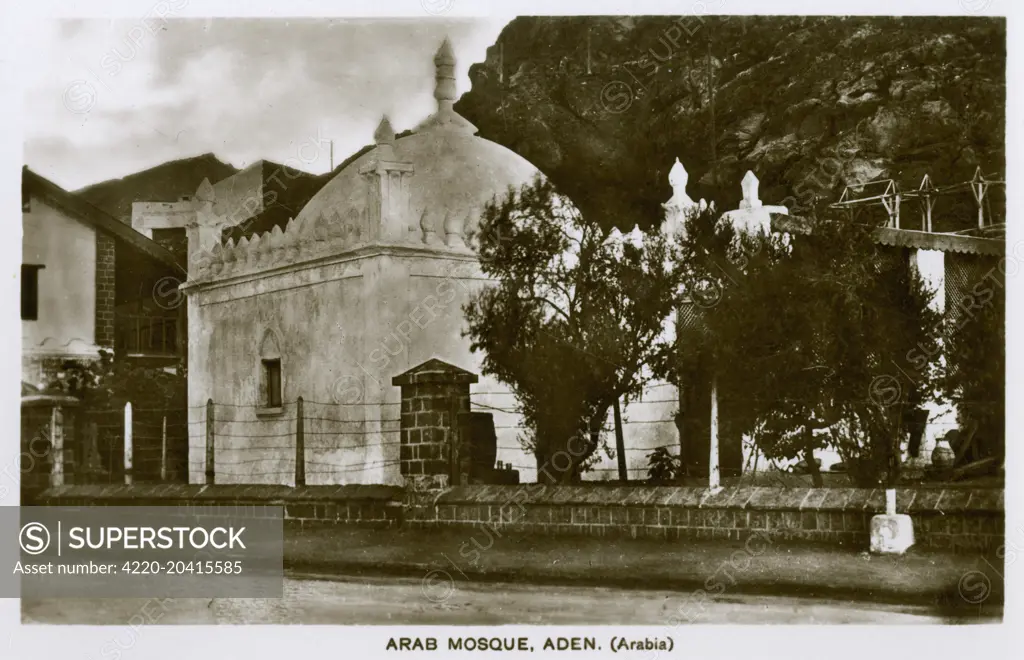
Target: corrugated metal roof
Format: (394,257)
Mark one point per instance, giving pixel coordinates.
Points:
(909,238)
(924,240)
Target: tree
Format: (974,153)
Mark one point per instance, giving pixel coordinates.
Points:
(109,383)
(817,340)
(573,317)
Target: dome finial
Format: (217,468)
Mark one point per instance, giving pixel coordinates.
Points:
(384,133)
(444,75)
(444,91)
(384,138)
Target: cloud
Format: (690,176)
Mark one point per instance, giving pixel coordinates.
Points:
(108,99)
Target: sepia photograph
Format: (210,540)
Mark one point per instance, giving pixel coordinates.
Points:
(461,321)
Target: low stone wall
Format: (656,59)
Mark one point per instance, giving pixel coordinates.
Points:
(370,506)
(960,520)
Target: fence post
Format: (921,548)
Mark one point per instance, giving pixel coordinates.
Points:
(56,446)
(714,474)
(454,441)
(209,442)
(300,445)
(128,443)
(620,443)
(163,450)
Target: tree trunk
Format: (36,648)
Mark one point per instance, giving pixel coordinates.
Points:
(917,423)
(812,467)
(559,460)
(620,444)
(894,463)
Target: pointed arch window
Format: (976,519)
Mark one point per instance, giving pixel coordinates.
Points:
(271,375)
(272,371)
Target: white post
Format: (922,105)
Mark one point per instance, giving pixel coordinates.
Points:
(714,474)
(891,533)
(56,446)
(163,451)
(128,443)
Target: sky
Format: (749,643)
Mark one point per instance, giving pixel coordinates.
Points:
(107,98)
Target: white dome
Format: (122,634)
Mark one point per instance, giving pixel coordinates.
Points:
(454,172)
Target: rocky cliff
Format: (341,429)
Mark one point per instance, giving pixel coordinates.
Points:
(603,105)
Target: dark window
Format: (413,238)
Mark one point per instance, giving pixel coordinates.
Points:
(30,292)
(147,335)
(172,239)
(272,377)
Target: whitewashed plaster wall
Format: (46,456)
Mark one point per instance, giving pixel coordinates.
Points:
(66,326)
(942,415)
(345,327)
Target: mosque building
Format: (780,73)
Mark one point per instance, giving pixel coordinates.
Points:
(367,281)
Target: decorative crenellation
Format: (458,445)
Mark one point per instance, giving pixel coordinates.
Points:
(428,227)
(299,241)
(441,227)
(330,233)
(454,230)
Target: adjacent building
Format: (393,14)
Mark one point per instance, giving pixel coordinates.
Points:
(89,283)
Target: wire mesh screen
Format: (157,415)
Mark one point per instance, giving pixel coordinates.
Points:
(690,317)
(966,274)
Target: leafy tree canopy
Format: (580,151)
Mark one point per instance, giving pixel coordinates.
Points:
(108,383)
(575,315)
(823,339)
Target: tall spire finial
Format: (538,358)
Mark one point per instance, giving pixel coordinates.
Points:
(384,133)
(384,138)
(444,91)
(444,76)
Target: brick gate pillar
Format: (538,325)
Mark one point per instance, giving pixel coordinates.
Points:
(433,395)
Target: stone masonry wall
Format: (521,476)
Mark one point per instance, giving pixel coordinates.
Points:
(105,255)
(353,504)
(434,393)
(961,520)
(956,520)
(426,423)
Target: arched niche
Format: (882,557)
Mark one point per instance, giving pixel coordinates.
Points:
(271,370)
